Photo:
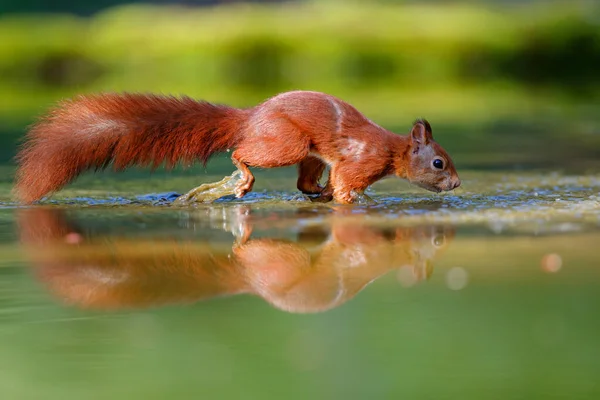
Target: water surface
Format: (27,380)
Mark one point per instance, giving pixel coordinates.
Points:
(487,292)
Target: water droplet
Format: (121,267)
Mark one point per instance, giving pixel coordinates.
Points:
(551,263)
(457,278)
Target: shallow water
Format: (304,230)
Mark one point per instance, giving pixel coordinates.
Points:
(108,290)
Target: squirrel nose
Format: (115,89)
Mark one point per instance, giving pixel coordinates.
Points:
(456,184)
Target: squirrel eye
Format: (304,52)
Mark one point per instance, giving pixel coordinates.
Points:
(438,164)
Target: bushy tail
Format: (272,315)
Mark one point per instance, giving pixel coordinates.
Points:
(91,132)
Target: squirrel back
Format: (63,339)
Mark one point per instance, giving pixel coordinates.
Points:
(91,132)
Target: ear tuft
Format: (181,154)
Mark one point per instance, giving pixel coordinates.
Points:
(421,132)
(425,123)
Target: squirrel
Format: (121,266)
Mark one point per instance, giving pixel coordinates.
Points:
(310,129)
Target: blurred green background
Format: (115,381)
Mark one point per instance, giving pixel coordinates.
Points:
(505,84)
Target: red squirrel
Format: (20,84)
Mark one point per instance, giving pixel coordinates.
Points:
(310,129)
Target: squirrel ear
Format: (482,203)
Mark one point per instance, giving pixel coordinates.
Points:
(421,132)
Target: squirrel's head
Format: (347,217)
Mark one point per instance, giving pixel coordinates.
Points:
(429,166)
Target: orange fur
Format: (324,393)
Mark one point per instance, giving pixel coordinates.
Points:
(310,129)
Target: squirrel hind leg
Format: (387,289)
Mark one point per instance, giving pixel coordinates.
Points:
(246,181)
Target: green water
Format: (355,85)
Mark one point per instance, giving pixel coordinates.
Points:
(107,291)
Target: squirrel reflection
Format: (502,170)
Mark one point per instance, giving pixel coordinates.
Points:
(327,266)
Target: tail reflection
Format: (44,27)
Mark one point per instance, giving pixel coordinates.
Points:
(327,265)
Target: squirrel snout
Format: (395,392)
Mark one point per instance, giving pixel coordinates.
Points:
(454,183)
